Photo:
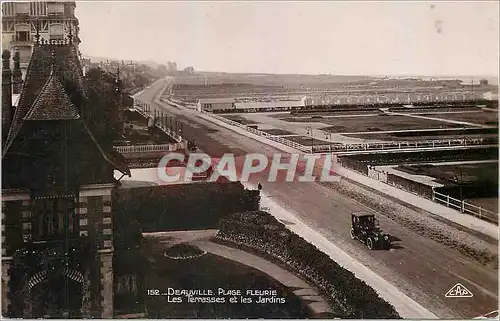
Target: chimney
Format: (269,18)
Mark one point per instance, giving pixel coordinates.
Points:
(17,76)
(6,94)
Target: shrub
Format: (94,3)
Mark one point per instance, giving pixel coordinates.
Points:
(262,232)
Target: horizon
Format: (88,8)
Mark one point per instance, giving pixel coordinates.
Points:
(339,38)
(289,74)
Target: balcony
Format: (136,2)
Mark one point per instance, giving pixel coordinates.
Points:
(17,41)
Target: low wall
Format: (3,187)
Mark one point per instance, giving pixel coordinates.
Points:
(353,165)
(409,185)
(390,179)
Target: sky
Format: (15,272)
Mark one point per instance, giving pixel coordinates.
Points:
(345,37)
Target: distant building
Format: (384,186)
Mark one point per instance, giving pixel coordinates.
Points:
(172,67)
(188,70)
(279,105)
(216,104)
(55,20)
(483,82)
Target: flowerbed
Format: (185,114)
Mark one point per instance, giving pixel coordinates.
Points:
(347,294)
(183,252)
(425,156)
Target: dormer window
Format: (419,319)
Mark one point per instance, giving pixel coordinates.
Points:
(56,31)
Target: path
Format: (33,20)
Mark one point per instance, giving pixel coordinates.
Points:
(422,268)
(303,290)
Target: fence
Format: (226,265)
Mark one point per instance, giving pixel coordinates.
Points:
(465,207)
(337,147)
(151,148)
(419,189)
(403,145)
(145,110)
(263,134)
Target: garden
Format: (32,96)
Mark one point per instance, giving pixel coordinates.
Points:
(136,131)
(209,272)
(277,132)
(478,117)
(307,141)
(490,134)
(382,123)
(260,232)
(239,119)
(490,153)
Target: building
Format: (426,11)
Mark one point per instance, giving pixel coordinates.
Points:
(278,105)
(20,20)
(57,187)
(172,67)
(216,104)
(483,82)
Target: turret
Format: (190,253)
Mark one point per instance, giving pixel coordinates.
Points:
(6,94)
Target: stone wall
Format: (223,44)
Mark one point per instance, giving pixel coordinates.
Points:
(390,179)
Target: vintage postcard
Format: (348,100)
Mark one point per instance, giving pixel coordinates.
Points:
(249,159)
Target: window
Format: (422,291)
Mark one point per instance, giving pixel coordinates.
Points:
(54,218)
(22,36)
(56,31)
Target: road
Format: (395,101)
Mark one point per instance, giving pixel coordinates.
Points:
(421,267)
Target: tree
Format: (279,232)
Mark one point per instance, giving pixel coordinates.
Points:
(102,111)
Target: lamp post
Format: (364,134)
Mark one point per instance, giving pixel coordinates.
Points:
(329,137)
(310,132)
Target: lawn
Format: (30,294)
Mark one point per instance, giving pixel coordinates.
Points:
(211,272)
(430,135)
(239,119)
(465,173)
(426,156)
(277,132)
(490,204)
(306,141)
(380,123)
(307,114)
(480,117)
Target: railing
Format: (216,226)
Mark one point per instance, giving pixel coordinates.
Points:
(437,197)
(337,147)
(465,207)
(150,148)
(141,108)
(264,134)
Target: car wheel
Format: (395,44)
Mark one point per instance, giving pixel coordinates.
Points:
(353,236)
(369,243)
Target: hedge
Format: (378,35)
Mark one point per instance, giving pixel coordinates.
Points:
(347,294)
(183,206)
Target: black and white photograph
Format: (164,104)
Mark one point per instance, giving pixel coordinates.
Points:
(250,160)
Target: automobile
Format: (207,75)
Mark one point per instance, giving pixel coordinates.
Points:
(365,228)
(191,146)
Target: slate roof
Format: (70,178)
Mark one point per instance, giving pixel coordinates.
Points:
(66,67)
(52,103)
